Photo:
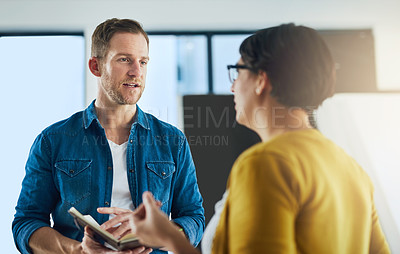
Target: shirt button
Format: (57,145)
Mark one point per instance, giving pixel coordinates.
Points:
(131,170)
(72,171)
(163,173)
(109,168)
(106,203)
(131,140)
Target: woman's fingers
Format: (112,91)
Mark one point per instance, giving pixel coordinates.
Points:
(148,198)
(121,218)
(121,231)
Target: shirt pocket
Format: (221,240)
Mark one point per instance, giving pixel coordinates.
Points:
(74,180)
(159,175)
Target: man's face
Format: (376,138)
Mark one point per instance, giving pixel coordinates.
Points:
(123,69)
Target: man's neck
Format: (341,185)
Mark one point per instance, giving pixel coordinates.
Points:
(116,120)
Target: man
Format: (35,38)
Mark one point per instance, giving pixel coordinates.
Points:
(106,156)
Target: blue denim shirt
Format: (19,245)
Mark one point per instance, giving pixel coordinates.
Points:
(70,164)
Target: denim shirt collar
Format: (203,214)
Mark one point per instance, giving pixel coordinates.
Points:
(89,115)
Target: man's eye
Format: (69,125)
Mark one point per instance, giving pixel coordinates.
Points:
(124,59)
(143,62)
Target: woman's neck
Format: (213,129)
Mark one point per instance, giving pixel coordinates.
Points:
(280,120)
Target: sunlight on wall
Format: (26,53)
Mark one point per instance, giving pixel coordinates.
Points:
(367,127)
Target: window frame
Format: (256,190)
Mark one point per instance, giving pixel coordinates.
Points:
(209,35)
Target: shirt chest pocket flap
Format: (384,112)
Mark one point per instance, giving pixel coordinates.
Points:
(161,169)
(160,179)
(74,179)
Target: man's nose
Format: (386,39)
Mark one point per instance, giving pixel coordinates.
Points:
(135,70)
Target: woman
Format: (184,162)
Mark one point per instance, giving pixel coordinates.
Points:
(296,192)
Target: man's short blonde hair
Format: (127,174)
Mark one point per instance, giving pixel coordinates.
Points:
(104,32)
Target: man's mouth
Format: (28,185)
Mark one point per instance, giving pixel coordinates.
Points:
(131,85)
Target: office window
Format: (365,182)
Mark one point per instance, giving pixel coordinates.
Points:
(187,63)
(225,50)
(42,81)
(159,96)
(177,66)
(192,65)
(200,59)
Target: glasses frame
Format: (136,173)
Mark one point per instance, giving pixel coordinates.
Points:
(236,67)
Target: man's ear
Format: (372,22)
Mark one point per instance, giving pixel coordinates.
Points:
(263,84)
(94,66)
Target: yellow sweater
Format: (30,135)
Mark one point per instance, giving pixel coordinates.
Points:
(298,193)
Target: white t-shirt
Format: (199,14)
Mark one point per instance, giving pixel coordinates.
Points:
(121,196)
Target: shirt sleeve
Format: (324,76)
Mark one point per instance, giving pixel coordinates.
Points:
(37,197)
(262,208)
(187,205)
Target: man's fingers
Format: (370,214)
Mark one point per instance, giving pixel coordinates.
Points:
(146,251)
(112,210)
(139,250)
(89,233)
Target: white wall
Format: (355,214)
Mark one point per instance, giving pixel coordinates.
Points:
(366,126)
(84,15)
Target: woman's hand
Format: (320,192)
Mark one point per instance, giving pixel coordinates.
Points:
(121,225)
(152,225)
(149,223)
(154,228)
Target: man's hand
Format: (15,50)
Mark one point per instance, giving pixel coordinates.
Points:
(90,246)
(122,224)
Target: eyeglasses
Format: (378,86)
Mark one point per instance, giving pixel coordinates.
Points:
(233,71)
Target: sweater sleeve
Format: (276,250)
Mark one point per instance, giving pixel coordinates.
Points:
(378,242)
(262,206)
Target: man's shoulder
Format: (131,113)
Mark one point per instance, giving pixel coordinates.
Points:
(66,126)
(161,127)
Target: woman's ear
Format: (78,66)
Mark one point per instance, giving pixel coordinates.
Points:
(263,84)
(94,66)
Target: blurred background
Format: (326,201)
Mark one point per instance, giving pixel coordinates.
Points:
(45,46)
